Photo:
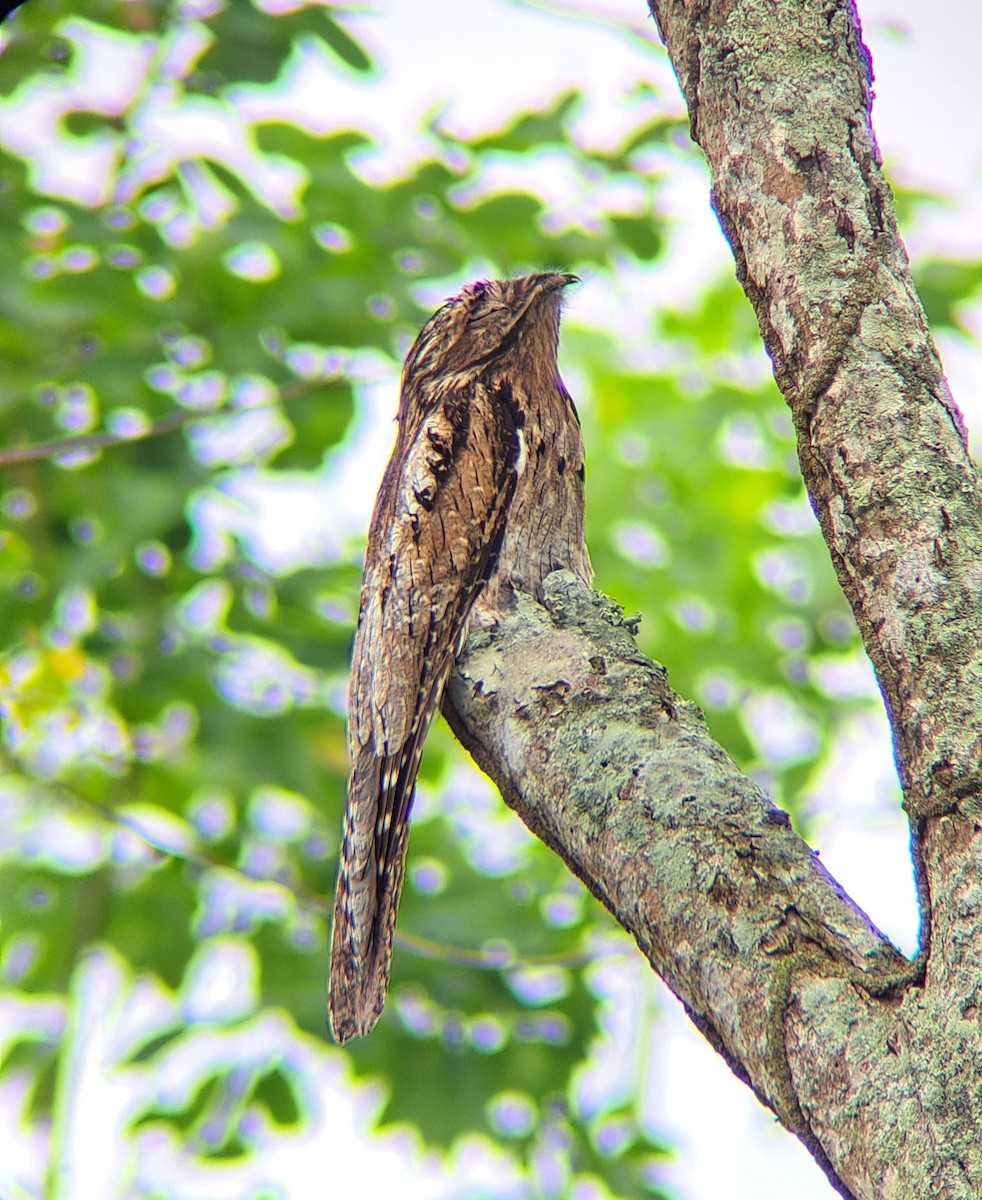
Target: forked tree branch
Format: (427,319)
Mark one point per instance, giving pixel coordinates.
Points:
(872,1061)
(621,777)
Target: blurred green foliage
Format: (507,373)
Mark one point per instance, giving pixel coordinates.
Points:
(173,737)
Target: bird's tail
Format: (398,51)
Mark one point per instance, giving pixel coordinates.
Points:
(365,902)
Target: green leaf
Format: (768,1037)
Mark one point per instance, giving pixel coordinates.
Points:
(531,131)
(640,235)
(345,46)
(943,285)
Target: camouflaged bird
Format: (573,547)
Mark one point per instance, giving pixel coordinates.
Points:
(483,494)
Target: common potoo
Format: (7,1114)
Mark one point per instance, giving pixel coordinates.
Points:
(483,494)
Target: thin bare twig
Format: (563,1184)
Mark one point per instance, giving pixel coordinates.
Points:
(57,447)
(492,959)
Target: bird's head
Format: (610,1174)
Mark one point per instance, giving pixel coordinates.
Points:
(484,323)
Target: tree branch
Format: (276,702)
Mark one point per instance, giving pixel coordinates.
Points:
(295,893)
(617,774)
(82,443)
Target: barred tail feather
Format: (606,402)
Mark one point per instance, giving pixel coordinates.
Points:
(374,839)
(359,978)
(366,900)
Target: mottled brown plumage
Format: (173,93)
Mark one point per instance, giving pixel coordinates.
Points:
(483,492)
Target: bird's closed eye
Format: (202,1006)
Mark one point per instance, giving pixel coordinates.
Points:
(486,313)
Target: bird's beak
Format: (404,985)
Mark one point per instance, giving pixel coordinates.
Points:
(553,283)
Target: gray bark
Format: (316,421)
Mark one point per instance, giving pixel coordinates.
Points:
(873,1061)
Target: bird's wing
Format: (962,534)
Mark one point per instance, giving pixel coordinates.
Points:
(435,540)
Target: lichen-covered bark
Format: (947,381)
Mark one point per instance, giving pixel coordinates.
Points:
(779,100)
(787,978)
(873,1061)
